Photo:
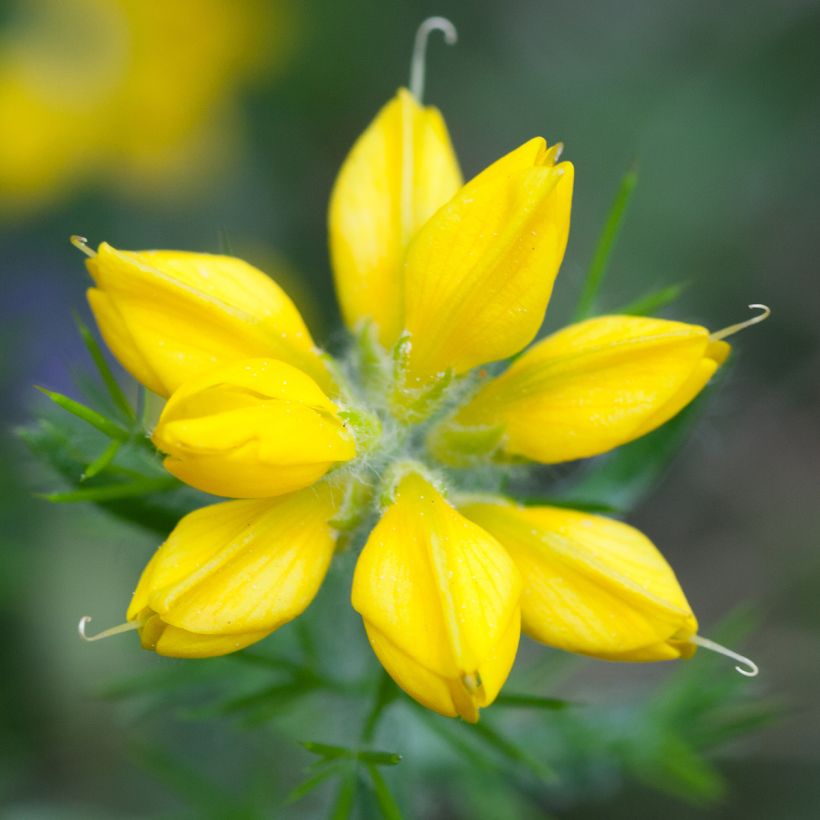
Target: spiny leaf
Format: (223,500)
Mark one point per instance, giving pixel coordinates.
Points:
(112,492)
(532,702)
(343,805)
(316,779)
(332,752)
(327,750)
(652,302)
(570,503)
(606,243)
(102,461)
(379,758)
(113,387)
(676,768)
(92,417)
(66,445)
(447,731)
(511,751)
(387,803)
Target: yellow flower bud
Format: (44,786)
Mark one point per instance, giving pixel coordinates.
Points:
(169,316)
(251,429)
(232,573)
(399,172)
(593,386)
(440,602)
(479,274)
(591,585)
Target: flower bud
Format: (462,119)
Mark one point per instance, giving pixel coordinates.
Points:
(440,602)
(591,585)
(399,172)
(592,386)
(251,429)
(479,274)
(232,573)
(168,316)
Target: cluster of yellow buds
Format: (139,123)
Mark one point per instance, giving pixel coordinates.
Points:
(436,280)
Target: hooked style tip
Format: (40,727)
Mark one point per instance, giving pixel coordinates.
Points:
(748,668)
(436,23)
(418,63)
(736,328)
(86,619)
(81,244)
(128,626)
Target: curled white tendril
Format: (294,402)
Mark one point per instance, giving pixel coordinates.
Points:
(748,668)
(418,63)
(732,329)
(129,626)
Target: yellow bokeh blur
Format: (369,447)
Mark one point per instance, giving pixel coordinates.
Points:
(136,93)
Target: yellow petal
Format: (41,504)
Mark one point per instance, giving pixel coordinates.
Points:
(591,585)
(440,601)
(595,385)
(399,172)
(479,274)
(251,429)
(169,316)
(231,573)
(173,642)
(450,697)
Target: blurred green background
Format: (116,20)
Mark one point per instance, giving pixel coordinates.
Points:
(195,123)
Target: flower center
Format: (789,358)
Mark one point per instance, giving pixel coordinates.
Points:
(394,426)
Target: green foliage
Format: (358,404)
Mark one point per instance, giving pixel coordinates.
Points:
(700,710)
(102,461)
(652,302)
(131,485)
(111,383)
(606,244)
(548,749)
(107,461)
(326,751)
(92,417)
(518,701)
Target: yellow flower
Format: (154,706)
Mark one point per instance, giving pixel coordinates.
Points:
(589,388)
(231,573)
(479,274)
(255,428)
(591,585)
(440,602)
(399,172)
(449,278)
(169,316)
